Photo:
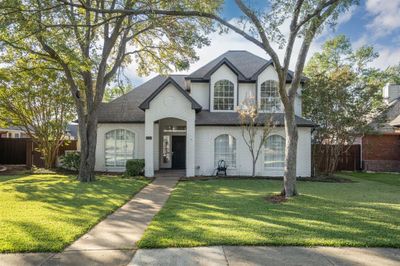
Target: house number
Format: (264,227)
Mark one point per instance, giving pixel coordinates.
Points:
(148,137)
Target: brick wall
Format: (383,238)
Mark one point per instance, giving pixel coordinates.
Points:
(381,152)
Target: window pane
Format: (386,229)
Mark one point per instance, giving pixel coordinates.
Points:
(119,147)
(274,152)
(223,95)
(225,149)
(270,100)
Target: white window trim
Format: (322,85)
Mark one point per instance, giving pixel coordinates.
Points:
(265,155)
(229,166)
(235,95)
(135,142)
(281,107)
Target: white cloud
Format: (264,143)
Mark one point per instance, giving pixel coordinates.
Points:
(220,43)
(386,16)
(388,56)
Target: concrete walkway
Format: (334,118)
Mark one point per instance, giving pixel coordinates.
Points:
(245,255)
(113,240)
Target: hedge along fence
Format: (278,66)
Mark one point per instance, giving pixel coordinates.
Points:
(134,167)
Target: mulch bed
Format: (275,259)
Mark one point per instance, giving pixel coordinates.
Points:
(276,199)
(332,179)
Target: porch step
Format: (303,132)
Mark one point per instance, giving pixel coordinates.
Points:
(170,173)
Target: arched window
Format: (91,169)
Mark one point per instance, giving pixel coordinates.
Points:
(224,95)
(269,98)
(274,152)
(119,147)
(225,149)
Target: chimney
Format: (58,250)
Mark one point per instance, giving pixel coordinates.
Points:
(390,92)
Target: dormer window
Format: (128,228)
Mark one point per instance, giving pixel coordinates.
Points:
(269,97)
(224,95)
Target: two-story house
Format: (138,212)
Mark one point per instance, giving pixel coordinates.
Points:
(191,121)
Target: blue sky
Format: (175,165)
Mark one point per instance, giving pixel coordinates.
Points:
(373,22)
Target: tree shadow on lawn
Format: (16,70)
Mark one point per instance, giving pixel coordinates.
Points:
(31,236)
(51,212)
(230,215)
(71,194)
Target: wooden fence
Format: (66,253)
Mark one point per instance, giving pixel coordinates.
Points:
(350,160)
(24,151)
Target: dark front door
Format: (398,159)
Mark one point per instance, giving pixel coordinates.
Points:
(178,152)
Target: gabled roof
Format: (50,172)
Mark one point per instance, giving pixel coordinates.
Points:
(226,62)
(245,63)
(146,103)
(395,122)
(126,109)
(388,119)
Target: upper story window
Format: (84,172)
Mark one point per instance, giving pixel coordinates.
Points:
(119,147)
(224,96)
(269,97)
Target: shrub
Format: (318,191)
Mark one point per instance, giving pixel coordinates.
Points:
(134,167)
(71,161)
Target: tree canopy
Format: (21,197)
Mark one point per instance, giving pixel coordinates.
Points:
(37,100)
(342,95)
(89,47)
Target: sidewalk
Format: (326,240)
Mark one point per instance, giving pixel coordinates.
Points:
(247,255)
(112,241)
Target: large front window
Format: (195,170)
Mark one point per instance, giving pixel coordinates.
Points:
(269,98)
(224,95)
(225,149)
(119,147)
(274,152)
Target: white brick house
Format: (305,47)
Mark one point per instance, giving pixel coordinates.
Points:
(190,121)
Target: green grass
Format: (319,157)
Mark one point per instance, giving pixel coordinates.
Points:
(47,212)
(386,178)
(234,212)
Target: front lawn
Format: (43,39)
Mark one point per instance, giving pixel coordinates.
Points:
(386,178)
(234,212)
(48,212)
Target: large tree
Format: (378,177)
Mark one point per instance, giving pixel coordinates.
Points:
(36,99)
(306,19)
(342,95)
(89,47)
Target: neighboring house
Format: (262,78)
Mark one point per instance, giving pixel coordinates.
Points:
(71,132)
(190,121)
(12,133)
(381,150)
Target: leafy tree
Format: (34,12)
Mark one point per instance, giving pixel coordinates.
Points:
(393,74)
(307,19)
(115,92)
(254,129)
(89,47)
(342,96)
(36,100)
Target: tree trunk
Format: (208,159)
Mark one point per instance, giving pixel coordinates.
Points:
(289,178)
(253,174)
(88,137)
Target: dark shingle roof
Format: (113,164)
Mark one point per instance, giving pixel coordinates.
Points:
(146,103)
(206,118)
(246,63)
(126,108)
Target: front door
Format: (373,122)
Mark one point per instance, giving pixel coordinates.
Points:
(178,152)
